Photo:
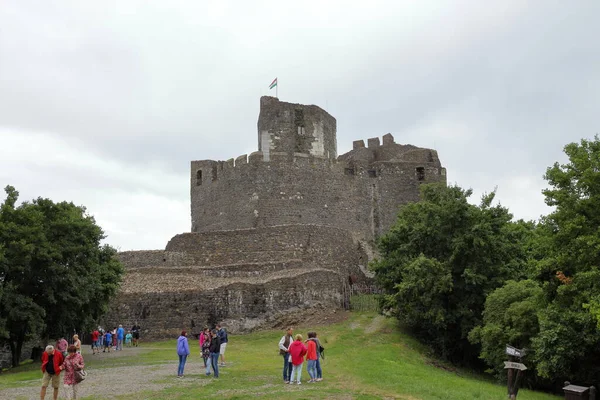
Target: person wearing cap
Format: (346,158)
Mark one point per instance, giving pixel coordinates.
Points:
(51,366)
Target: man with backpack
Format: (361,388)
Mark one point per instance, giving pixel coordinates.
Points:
(284,345)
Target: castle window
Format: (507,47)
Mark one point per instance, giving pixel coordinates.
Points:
(299,117)
(372,173)
(420,174)
(349,171)
(214,173)
(199,177)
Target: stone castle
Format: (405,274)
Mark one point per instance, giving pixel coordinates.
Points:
(288,227)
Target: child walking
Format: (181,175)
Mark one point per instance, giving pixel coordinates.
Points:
(297,351)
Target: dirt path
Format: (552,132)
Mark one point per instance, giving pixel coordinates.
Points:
(109,382)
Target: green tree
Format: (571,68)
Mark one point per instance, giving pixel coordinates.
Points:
(55,276)
(441,259)
(510,317)
(568,345)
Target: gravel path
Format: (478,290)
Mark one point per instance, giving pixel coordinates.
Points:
(110,382)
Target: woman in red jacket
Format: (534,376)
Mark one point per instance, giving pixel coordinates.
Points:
(311,357)
(297,351)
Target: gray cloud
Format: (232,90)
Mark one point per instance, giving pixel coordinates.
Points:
(124,94)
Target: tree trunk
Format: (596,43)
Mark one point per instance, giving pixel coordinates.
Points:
(16,346)
(13,353)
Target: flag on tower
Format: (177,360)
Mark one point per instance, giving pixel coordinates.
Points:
(273,84)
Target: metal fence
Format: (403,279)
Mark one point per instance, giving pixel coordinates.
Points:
(364,297)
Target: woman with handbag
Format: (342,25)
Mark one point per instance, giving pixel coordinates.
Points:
(74,374)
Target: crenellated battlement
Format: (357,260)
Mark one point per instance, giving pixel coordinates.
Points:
(386,157)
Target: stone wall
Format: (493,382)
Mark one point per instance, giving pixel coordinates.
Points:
(242,277)
(6,357)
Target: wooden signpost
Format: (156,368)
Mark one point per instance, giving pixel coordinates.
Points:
(514,380)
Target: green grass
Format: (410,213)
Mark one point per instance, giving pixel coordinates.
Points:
(367,357)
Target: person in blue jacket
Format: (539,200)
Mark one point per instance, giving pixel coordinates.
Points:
(183,350)
(107,341)
(120,337)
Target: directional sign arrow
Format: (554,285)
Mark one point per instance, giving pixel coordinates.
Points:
(514,365)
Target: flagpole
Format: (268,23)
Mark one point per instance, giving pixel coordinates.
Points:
(277,90)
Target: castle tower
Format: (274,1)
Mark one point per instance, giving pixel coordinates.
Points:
(295,128)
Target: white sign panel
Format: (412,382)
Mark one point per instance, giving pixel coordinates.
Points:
(514,365)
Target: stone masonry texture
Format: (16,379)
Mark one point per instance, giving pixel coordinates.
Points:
(289,226)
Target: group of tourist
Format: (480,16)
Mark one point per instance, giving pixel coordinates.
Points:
(113,339)
(67,357)
(212,343)
(293,350)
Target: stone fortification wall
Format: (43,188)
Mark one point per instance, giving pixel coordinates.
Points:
(295,128)
(244,246)
(243,277)
(242,306)
(360,192)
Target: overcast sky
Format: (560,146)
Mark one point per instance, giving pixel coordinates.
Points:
(104,103)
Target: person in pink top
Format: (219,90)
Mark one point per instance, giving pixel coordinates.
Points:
(73,362)
(297,351)
(204,337)
(61,345)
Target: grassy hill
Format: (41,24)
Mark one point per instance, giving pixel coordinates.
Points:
(366,358)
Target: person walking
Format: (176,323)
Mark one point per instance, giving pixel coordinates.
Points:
(72,363)
(224,339)
(284,345)
(61,345)
(51,367)
(77,343)
(95,342)
(311,357)
(120,337)
(297,351)
(215,347)
(183,350)
(107,341)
